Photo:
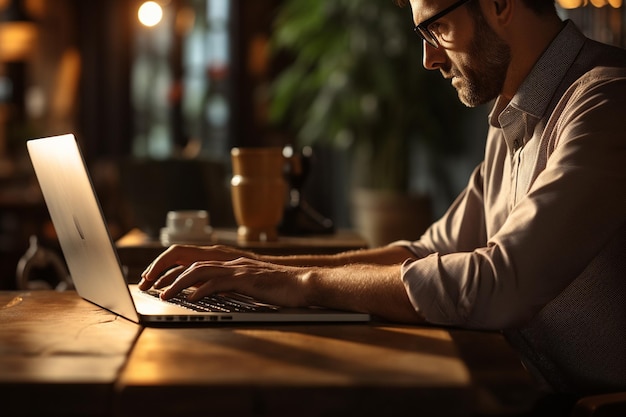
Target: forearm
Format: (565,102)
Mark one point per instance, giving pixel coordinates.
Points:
(373,289)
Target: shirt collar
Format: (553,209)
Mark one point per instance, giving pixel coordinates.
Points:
(536,92)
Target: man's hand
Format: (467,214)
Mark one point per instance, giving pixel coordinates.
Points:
(178,256)
(221,269)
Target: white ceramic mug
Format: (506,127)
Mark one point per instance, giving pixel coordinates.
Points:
(187,222)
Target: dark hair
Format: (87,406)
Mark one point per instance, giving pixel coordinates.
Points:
(538,6)
(541,6)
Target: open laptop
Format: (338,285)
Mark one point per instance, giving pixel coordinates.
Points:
(93,262)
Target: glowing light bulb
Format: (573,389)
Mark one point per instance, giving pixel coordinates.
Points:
(150,13)
(570,4)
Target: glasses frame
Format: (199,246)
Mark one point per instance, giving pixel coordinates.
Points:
(425,33)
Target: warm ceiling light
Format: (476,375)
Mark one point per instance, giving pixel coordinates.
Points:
(17,40)
(18,32)
(150,13)
(571,4)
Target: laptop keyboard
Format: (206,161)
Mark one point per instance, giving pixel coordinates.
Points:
(232,303)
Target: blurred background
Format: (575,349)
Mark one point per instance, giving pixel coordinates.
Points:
(158,93)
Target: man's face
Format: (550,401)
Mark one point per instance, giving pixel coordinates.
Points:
(470,54)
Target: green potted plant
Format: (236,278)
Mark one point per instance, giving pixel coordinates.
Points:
(356,81)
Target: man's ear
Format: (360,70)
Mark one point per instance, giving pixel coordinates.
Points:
(502,10)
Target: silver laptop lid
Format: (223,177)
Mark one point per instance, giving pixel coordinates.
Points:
(79,223)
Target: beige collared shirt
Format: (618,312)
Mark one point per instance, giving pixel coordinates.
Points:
(536,243)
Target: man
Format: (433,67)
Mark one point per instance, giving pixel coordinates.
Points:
(534,246)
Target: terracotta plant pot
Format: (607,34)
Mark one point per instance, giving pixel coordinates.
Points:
(382,217)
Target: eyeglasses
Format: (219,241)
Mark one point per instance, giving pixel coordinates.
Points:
(425,33)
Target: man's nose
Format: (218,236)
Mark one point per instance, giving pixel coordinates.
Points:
(433,58)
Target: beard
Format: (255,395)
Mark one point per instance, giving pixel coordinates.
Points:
(489,60)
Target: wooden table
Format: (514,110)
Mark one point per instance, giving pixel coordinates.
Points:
(63,355)
(59,355)
(136,249)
